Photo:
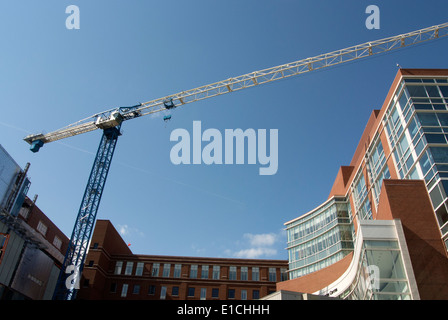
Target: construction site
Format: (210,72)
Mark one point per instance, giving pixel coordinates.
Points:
(381,234)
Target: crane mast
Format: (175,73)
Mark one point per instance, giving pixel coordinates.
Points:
(110,122)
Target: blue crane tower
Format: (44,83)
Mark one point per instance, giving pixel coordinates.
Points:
(110,122)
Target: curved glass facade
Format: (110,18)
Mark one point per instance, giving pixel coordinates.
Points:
(319,238)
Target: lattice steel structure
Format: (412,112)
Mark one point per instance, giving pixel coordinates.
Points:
(68,282)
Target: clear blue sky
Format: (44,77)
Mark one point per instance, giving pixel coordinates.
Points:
(127,52)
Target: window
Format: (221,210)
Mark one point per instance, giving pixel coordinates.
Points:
(191,292)
(204,272)
(118,267)
(136,289)
(155,269)
(24,211)
(152,290)
(215,293)
(284,274)
(272,274)
(194,271)
(243,273)
(113,287)
(175,291)
(255,274)
(428,119)
(42,228)
(129,266)
(177,270)
(166,270)
(139,269)
(243,294)
(255,294)
(232,273)
(124,290)
(231,294)
(57,242)
(163,293)
(203,293)
(216,272)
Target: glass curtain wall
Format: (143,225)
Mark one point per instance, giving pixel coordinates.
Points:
(320,239)
(416,124)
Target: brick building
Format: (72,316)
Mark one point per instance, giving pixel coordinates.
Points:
(112,272)
(383,231)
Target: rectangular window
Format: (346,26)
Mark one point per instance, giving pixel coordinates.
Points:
(166,270)
(42,228)
(272,275)
(163,293)
(243,294)
(139,269)
(244,273)
(113,287)
(136,289)
(232,273)
(204,272)
(24,212)
(175,291)
(124,290)
(203,293)
(57,242)
(152,290)
(155,269)
(194,271)
(231,294)
(215,293)
(118,267)
(129,266)
(284,274)
(255,274)
(216,272)
(177,270)
(191,292)
(255,294)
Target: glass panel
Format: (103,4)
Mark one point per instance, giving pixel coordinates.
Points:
(393,286)
(439,154)
(428,119)
(444,90)
(435,138)
(442,215)
(443,118)
(416,91)
(422,106)
(436,196)
(432,91)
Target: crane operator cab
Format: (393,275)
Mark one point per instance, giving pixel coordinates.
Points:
(113,120)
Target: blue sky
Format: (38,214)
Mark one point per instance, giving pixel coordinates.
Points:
(127,52)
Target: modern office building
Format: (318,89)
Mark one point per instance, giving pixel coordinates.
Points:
(113,272)
(31,246)
(383,231)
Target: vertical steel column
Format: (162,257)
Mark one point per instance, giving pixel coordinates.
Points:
(71,270)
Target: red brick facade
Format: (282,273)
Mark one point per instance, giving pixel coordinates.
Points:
(100,280)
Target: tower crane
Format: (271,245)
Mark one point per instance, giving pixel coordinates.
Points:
(110,122)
